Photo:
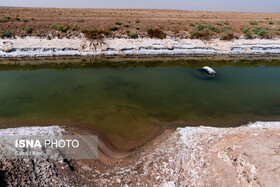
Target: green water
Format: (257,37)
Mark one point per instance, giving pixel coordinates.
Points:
(131,101)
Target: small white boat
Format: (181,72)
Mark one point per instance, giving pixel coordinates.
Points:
(208,70)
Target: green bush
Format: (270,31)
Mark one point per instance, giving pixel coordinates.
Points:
(137,28)
(226,22)
(203,31)
(156,33)
(220,24)
(247,32)
(5,19)
(126,25)
(48,37)
(204,34)
(213,28)
(75,28)
(24,20)
(61,28)
(262,32)
(253,22)
(137,21)
(278,29)
(200,27)
(5,34)
(97,33)
(225,29)
(192,25)
(271,23)
(132,34)
(113,28)
(118,22)
(28,29)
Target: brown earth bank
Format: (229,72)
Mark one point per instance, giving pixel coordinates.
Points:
(190,156)
(133,23)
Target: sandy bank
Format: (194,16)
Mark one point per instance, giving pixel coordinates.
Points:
(32,46)
(197,156)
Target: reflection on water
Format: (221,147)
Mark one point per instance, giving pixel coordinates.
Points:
(131,101)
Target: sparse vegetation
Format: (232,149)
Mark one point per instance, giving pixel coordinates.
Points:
(183,24)
(48,37)
(6,34)
(226,22)
(61,28)
(192,25)
(132,34)
(225,29)
(80,20)
(156,33)
(75,28)
(5,19)
(203,31)
(204,34)
(28,29)
(213,28)
(118,22)
(83,30)
(248,33)
(16,18)
(97,33)
(113,28)
(262,32)
(253,23)
(228,35)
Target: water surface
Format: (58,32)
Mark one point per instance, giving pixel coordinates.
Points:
(130,102)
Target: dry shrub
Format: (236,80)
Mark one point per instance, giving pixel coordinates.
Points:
(156,33)
(97,33)
(204,34)
(227,35)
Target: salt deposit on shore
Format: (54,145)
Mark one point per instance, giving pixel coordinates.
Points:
(33,46)
(196,156)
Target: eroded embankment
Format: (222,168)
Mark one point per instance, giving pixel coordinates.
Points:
(196,156)
(32,46)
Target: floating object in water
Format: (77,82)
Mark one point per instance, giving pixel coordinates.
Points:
(209,71)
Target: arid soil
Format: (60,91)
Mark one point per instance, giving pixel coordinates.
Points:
(190,156)
(174,22)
